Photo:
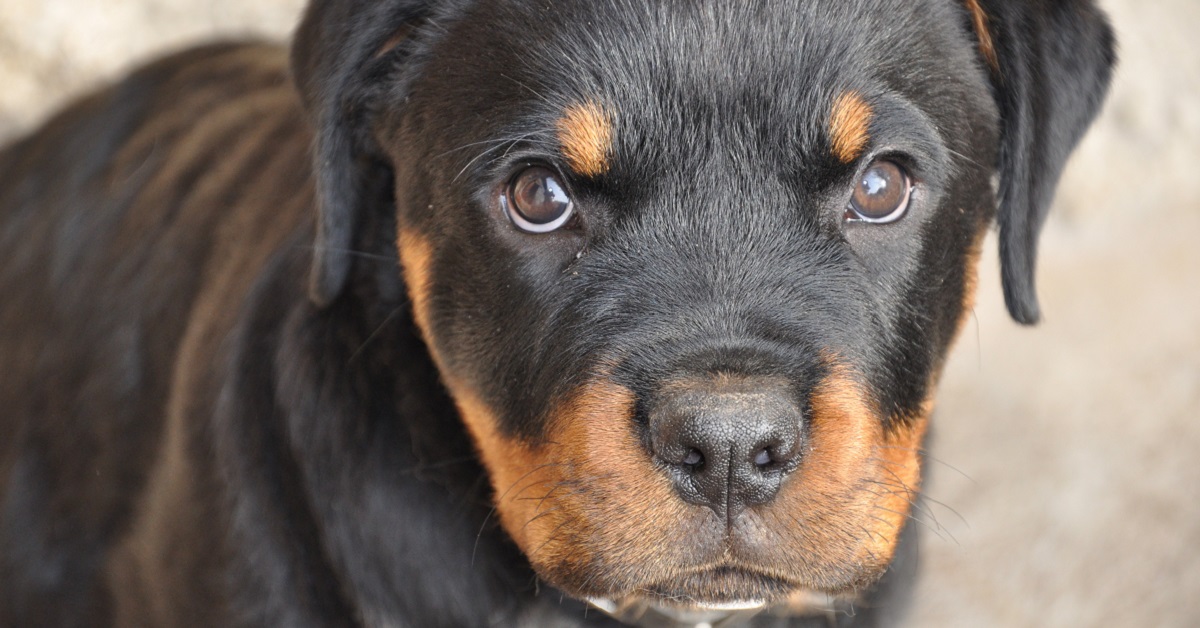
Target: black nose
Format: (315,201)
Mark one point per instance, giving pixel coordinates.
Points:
(728,442)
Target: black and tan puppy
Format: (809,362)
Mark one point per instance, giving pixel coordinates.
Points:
(636,302)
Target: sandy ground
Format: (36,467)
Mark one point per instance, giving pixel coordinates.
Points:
(1067,477)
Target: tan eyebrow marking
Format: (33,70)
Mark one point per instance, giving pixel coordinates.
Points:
(585,134)
(849,124)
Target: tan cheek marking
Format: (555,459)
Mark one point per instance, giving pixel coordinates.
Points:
(888,461)
(897,480)
(851,494)
(586,495)
(416,255)
(842,430)
(986,47)
(518,472)
(849,124)
(898,476)
(823,506)
(585,135)
(971,273)
(514,467)
(627,504)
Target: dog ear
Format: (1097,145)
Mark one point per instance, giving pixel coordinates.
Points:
(1050,63)
(340,50)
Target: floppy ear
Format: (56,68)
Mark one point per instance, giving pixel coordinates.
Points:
(1050,63)
(340,51)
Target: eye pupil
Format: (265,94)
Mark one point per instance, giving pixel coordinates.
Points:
(882,193)
(537,201)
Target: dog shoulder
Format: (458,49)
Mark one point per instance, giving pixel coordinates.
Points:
(126,218)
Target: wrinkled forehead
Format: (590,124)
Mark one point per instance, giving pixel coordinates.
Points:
(697,72)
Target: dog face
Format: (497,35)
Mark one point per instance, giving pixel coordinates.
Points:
(690,270)
(709,383)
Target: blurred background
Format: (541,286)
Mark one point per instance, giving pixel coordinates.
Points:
(1067,456)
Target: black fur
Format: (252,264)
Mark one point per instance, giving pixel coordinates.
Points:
(1055,61)
(216,408)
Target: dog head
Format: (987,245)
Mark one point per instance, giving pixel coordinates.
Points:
(690,269)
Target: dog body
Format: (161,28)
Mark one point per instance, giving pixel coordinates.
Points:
(631,302)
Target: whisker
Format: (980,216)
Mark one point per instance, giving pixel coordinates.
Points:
(479,535)
(388,319)
(958,155)
(540,515)
(539,467)
(551,536)
(916,505)
(928,456)
(506,142)
(499,499)
(360,254)
(938,532)
(536,94)
(954,512)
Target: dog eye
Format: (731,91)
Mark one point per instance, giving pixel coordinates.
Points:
(536,201)
(882,194)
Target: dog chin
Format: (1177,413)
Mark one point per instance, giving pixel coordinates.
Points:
(718,589)
(699,598)
(717,596)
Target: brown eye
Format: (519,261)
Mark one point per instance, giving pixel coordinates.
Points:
(536,201)
(882,193)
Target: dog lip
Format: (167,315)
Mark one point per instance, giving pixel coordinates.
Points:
(741,605)
(723,588)
(609,606)
(638,610)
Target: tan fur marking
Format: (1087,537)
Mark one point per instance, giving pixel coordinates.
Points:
(897,480)
(416,256)
(849,126)
(849,499)
(986,47)
(587,499)
(514,467)
(586,494)
(585,134)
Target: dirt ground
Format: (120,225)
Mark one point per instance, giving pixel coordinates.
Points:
(1067,472)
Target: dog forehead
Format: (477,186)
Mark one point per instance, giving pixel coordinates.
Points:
(636,73)
(710,37)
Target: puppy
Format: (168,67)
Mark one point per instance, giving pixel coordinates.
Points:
(515,313)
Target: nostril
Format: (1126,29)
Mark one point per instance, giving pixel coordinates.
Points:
(763,458)
(693,458)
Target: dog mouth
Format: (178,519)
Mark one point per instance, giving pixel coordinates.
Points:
(722,588)
(724,595)
(701,597)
